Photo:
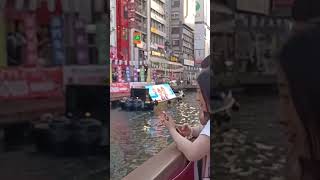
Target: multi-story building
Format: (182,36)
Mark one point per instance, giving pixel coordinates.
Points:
(158,25)
(138,32)
(182,34)
(113,25)
(158,37)
(202,30)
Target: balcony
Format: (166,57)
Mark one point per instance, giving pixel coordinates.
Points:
(141,11)
(158,18)
(155,6)
(141,27)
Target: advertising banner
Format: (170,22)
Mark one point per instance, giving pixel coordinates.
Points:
(142,74)
(135,75)
(116,88)
(28,83)
(3,48)
(119,72)
(87,75)
(199,11)
(57,40)
(161,92)
(128,74)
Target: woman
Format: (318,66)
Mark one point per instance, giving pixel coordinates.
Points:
(299,90)
(200,147)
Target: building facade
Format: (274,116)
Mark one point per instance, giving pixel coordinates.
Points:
(202,30)
(113,27)
(138,32)
(182,25)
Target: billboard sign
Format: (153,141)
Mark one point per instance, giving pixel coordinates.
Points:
(188,62)
(29,83)
(116,88)
(161,92)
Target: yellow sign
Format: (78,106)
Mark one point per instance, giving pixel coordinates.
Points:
(173,59)
(155,53)
(154,30)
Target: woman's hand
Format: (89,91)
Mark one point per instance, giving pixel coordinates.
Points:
(168,121)
(185,130)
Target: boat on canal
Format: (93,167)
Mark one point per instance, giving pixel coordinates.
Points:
(150,97)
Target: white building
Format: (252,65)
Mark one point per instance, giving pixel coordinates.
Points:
(113,24)
(202,30)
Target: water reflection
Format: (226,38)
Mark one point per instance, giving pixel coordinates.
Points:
(137,136)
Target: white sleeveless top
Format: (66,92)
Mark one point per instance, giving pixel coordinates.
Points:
(206,160)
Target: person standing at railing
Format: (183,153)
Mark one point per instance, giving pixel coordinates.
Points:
(199,149)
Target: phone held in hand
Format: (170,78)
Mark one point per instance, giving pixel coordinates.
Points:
(179,131)
(165,115)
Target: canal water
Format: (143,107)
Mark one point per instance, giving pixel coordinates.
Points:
(254,147)
(137,136)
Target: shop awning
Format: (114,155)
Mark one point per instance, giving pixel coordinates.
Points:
(164,61)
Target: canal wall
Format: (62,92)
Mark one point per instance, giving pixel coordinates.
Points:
(162,166)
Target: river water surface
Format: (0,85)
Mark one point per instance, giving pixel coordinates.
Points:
(137,136)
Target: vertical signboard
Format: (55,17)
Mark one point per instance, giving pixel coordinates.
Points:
(142,74)
(31,39)
(81,42)
(57,40)
(122,30)
(128,74)
(199,11)
(135,75)
(119,71)
(3,48)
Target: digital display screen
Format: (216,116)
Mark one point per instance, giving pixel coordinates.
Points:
(161,92)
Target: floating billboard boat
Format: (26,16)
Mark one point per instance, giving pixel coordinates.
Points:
(150,96)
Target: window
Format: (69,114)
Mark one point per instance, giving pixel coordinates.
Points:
(175,42)
(175,3)
(175,30)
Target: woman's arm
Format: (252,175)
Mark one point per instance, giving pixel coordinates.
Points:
(192,150)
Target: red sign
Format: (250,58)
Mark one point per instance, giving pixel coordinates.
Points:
(28,83)
(119,88)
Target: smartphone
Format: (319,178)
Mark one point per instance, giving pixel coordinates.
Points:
(165,115)
(179,131)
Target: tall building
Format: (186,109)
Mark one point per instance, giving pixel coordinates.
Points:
(182,34)
(158,25)
(138,32)
(113,24)
(122,31)
(202,30)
